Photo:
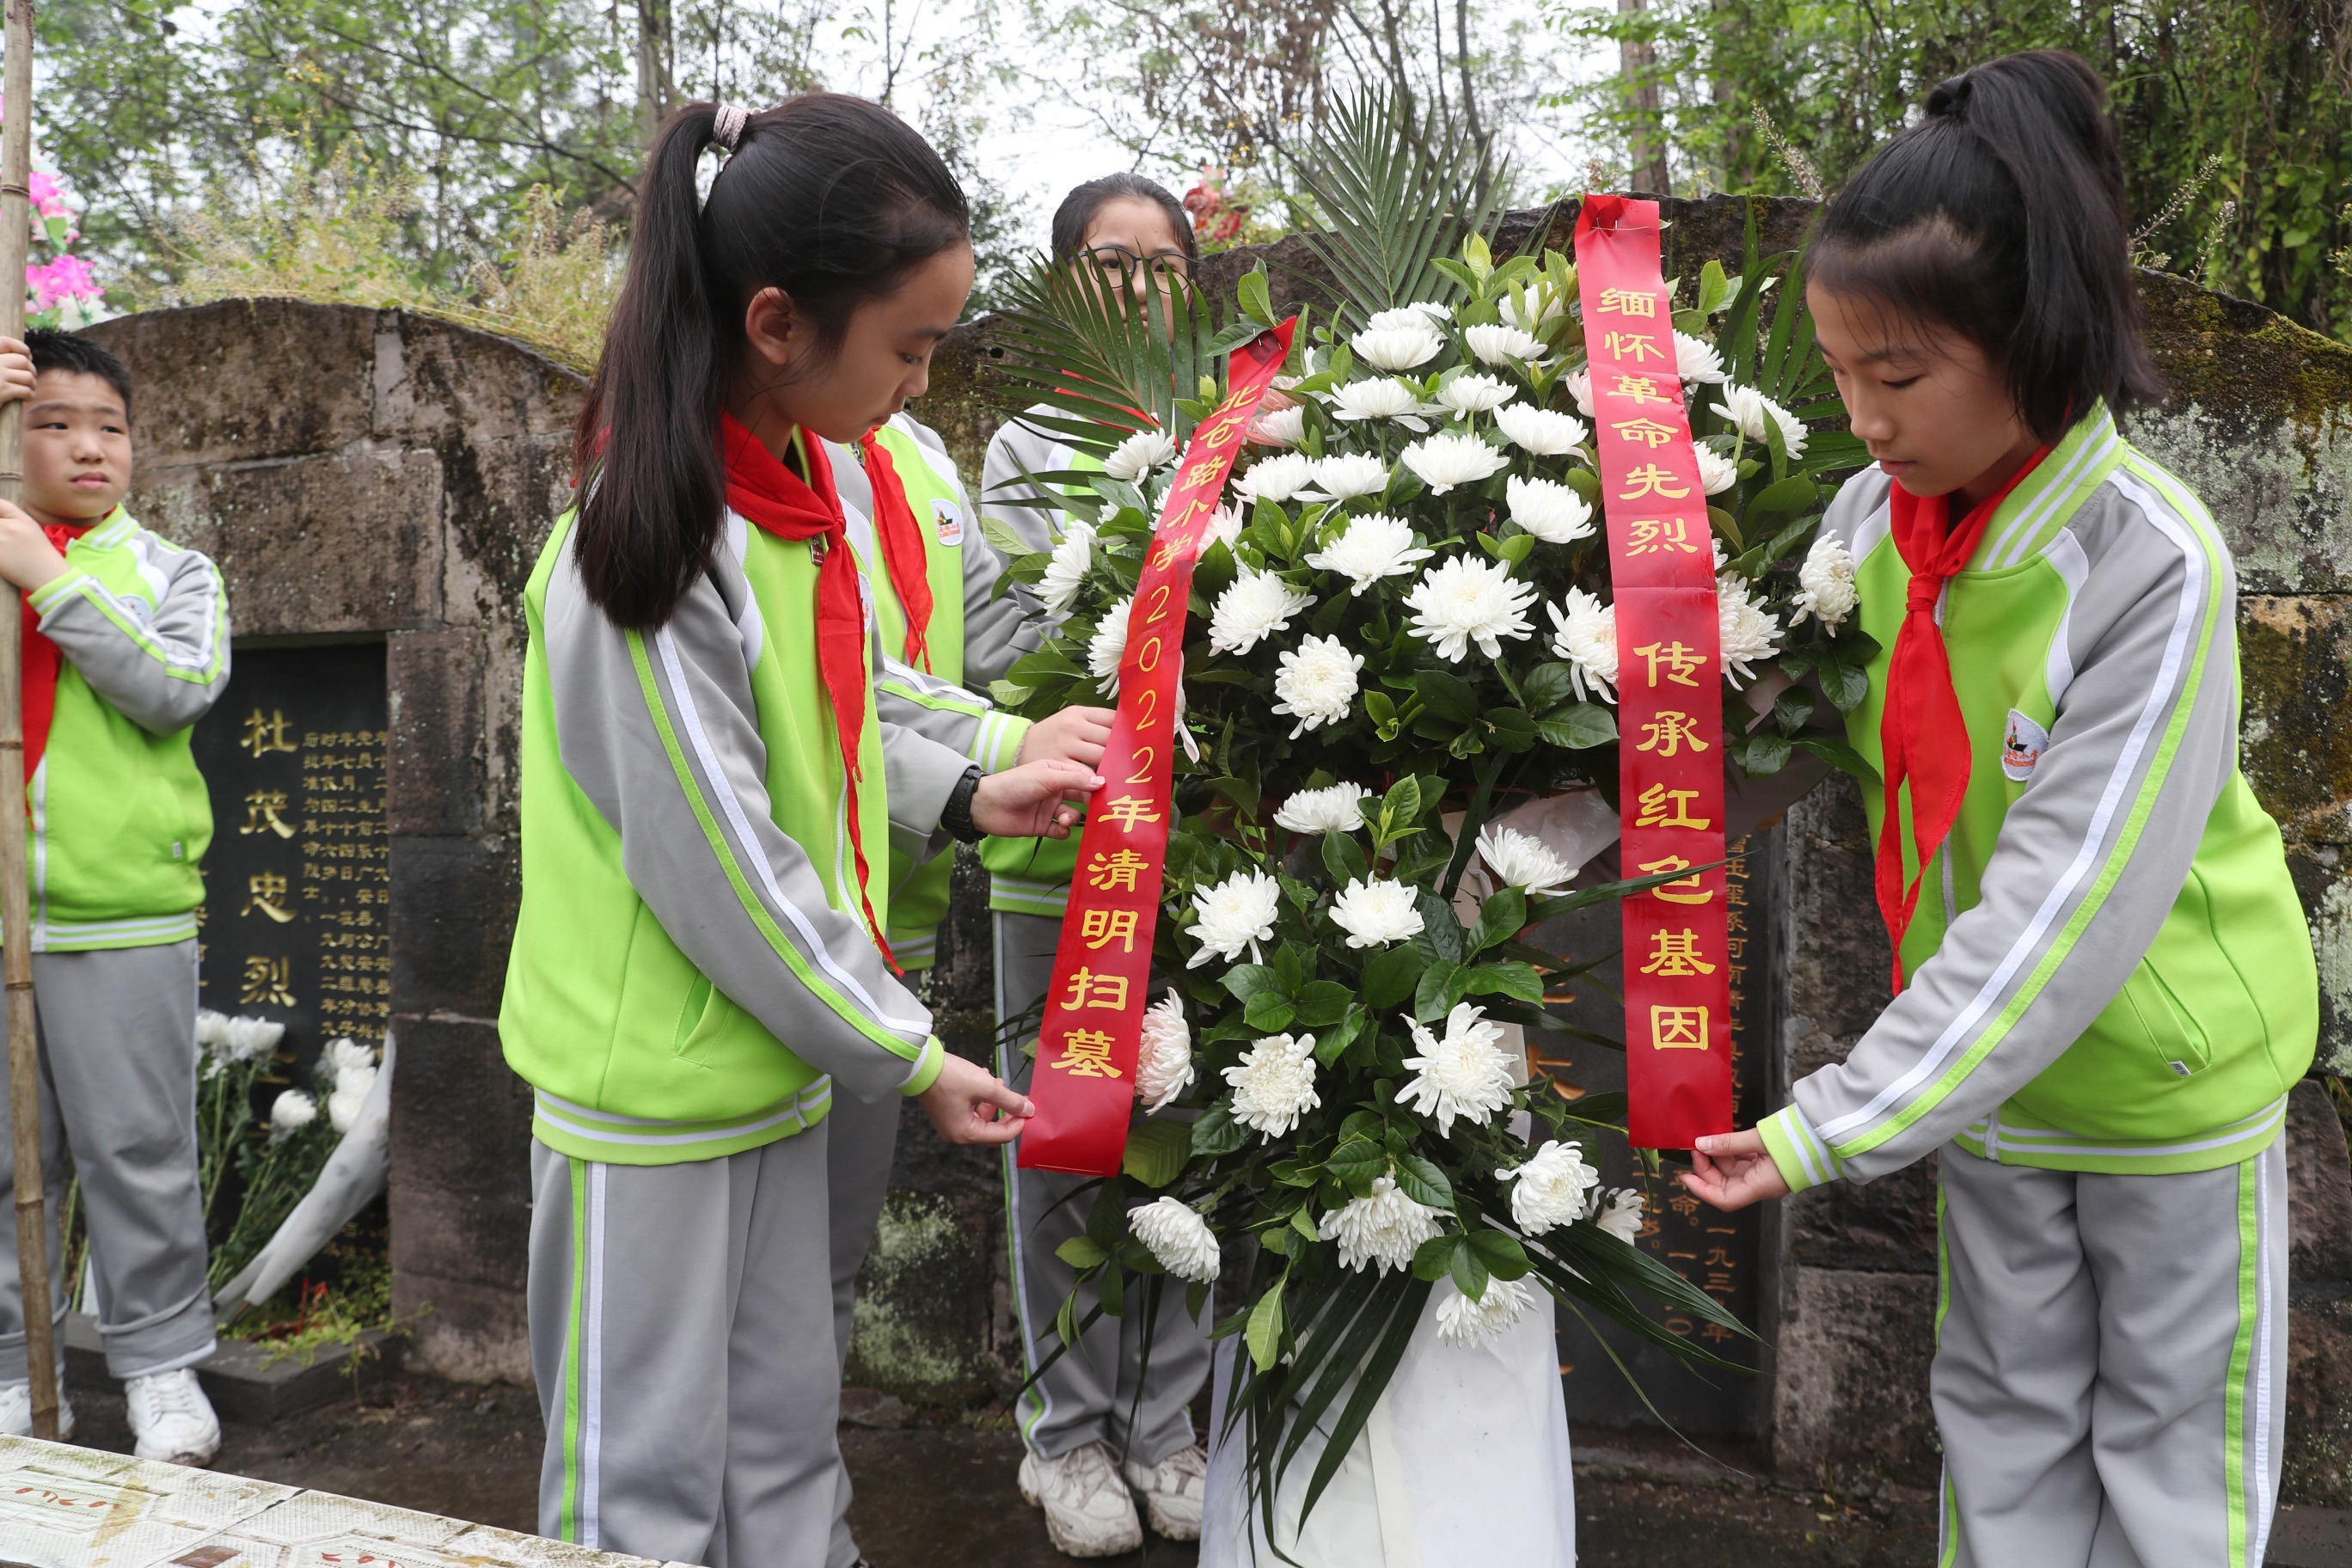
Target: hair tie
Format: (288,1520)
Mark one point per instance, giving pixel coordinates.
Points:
(727,128)
(1951,95)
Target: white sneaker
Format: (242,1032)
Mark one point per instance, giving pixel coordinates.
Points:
(1171,1491)
(16,1412)
(172,1418)
(1088,1512)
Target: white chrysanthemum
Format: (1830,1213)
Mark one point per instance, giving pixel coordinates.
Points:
(1579,390)
(1067,569)
(345,1056)
(343,1105)
(1446,461)
(1545,432)
(1163,1063)
(1825,583)
(1387,398)
(1317,683)
(1276,478)
(1584,633)
(1695,360)
(1347,475)
(1550,510)
(1175,1234)
(212,1031)
(1470,1323)
(1462,600)
(1225,525)
(1748,409)
(1255,607)
(1273,1084)
(1334,808)
(1421,314)
(1496,343)
(1236,916)
(1716,472)
(1542,305)
(1373,546)
(1396,348)
(290,1113)
(1469,394)
(1139,454)
(1285,427)
(1465,1072)
(1621,1216)
(1549,1191)
(1110,646)
(1383,1230)
(1748,631)
(1524,861)
(250,1039)
(1374,913)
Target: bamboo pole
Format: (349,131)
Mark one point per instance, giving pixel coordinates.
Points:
(16,905)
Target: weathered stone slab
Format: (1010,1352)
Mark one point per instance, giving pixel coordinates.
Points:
(244,1381)
(1851,1400)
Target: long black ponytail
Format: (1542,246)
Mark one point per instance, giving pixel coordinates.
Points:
(829,198)
(2002,215)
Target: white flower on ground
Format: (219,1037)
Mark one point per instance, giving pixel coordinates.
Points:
(1175,1234)
(1387,398)
(1550,510)
(1465,1072)
(1374,546)
(1825,583)
(290,1113)
(1550,1190)
(1695,360)
(1276,478)
(1383,1230)
(1584,633)
(1350,474)
(1421,314)
(1317,683)
(1067,569)
(1469,394)
(1621,1216)
(1496,343)
(1334,808)
(1462,600)
(1163,1066)
(1470,1323)
(1524,861)
(1747,630)
(1255,607)
(1281,426)
(1139,454)
(1446,461)
(1748,409)
(1110,646)
(1273,1084)
(1545,432)
(1374,913)
(1580,389)
(1236,915)
(1716,472)
(1396,348)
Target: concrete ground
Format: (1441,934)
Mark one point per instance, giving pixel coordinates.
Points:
(937,1491)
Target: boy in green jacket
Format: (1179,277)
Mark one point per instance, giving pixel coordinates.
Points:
(126,646)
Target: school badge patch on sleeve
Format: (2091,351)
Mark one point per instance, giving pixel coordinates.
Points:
(948,519)
(2021,747)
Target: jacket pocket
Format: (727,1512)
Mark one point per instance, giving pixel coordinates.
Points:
(2168,1030)
(691,1039)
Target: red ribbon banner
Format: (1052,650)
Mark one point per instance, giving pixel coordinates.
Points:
(1669,684)
(1084,1085)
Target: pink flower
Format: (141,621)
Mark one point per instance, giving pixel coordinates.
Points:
(53,282)
(49,196)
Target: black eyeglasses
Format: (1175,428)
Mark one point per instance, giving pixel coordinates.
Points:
(1118,259)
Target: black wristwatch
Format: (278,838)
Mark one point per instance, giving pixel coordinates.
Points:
(956,815)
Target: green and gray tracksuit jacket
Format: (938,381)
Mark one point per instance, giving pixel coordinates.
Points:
(690,974)
(2109,968)
(120,819)
(973,640)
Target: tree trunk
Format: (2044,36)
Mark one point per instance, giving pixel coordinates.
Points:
(1647,144)
(654,92)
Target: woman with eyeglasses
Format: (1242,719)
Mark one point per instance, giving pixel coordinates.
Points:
(1105,1425)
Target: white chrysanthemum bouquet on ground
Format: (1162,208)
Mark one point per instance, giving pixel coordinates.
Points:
(1401,641)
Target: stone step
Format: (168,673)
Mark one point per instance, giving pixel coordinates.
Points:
(244,1381)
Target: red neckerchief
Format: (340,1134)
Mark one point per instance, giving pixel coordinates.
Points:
(1922,736)
(777,500)
(43,662)
(902,547)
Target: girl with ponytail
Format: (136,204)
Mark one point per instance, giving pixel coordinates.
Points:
(709,793)
(2103,984)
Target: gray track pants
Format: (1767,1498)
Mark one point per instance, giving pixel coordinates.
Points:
(118,1088)
(1104,1388)
(2110,1372)
(861,1139)
(681,1334)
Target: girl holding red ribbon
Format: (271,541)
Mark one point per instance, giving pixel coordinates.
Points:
(2105,982)
(706,789)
